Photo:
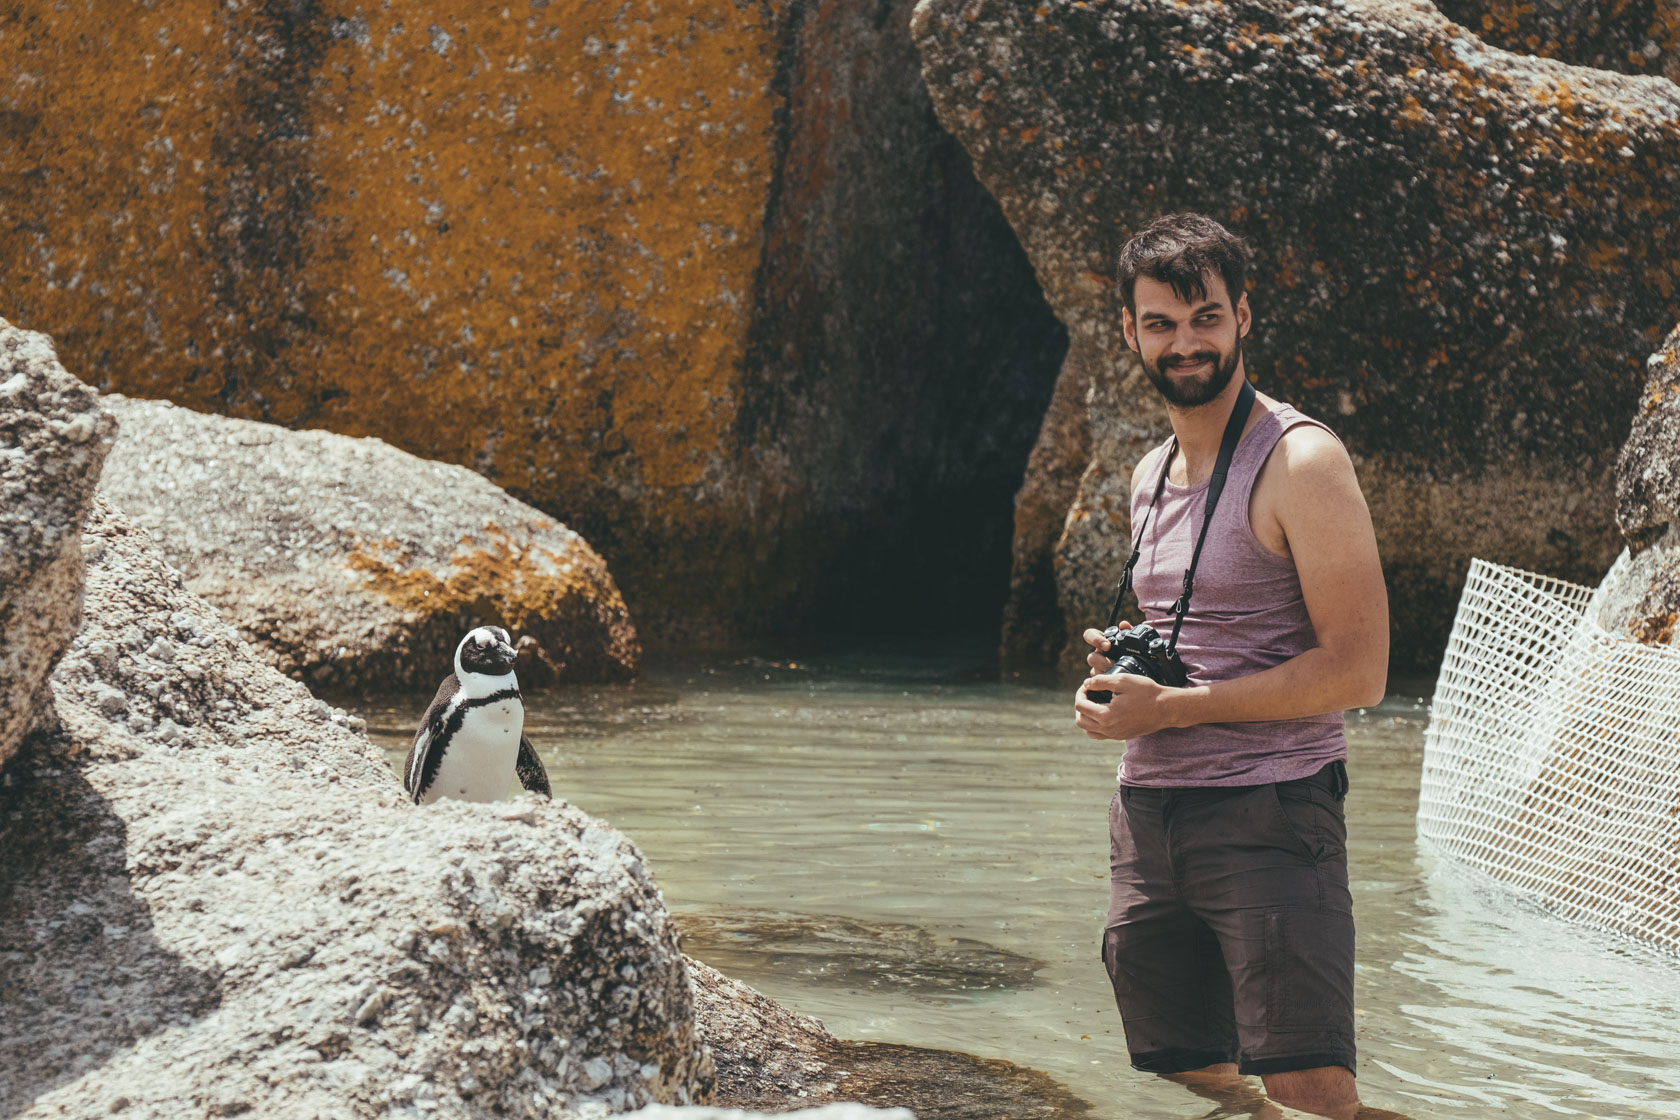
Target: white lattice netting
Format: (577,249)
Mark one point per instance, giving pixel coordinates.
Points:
(1552,758)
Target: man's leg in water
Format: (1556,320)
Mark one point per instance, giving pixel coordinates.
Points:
(1325,1091)
(1267,871)
(1169,979)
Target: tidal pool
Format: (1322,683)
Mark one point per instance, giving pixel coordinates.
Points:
(915,853)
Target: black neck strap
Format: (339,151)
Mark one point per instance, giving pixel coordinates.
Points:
(1216,484)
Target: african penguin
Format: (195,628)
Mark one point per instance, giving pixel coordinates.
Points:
(472,741)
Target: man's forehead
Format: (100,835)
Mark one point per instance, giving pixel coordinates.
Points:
(1152,296)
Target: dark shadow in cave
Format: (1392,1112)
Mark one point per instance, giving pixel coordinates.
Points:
(903,354)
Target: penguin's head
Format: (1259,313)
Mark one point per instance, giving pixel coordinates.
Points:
(486,650)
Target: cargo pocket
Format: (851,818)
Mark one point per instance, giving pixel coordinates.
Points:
(1309,969)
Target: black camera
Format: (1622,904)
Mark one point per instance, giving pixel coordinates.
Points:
(1142,652)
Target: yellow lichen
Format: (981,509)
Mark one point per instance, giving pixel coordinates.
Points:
(498,579)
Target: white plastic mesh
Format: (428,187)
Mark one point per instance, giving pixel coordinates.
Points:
(1552,758)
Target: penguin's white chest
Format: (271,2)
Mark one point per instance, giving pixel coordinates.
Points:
(479,762)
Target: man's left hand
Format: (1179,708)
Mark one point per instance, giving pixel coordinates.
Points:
(1138,707)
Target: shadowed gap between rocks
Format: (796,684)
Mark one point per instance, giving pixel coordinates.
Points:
(902,355)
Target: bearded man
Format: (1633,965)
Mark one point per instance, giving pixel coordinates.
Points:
(1229,938)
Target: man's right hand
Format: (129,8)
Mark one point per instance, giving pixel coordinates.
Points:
(1099,661)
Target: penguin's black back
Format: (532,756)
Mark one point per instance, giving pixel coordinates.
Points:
(426,753)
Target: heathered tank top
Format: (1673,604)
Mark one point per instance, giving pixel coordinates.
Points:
(1246,614)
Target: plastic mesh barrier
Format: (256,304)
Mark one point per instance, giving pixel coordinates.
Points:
(1552,758)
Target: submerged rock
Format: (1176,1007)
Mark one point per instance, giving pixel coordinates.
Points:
(839,1111)
(350,564)
(832,949)
(1462,258)
(1642,598)
(53,438)
(767,1056)
(215,900)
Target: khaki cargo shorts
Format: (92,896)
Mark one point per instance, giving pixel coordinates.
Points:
(1230,925)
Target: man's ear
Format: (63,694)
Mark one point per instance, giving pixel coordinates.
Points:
(1128,327)
(1245,318)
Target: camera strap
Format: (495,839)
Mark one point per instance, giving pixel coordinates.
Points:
(1216,484)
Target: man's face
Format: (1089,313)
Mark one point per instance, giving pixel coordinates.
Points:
(1190,349)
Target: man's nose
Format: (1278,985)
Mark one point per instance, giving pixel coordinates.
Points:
(1185,341)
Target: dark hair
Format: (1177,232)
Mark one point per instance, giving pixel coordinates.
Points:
(1180,249)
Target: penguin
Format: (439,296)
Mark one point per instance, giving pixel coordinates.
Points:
(471,742)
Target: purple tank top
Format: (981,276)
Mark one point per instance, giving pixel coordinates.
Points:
(1246,615)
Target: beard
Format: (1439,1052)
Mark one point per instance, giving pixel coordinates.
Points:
(1197,390)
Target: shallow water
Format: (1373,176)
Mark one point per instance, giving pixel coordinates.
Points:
(917,854)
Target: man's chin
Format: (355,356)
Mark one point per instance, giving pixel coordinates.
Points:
(1192,392)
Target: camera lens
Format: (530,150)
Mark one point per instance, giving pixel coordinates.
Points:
(1132,665)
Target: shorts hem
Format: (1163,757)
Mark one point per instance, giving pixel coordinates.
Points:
(1290,1063)
(1177,1059)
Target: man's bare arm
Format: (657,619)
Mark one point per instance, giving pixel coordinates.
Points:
(1327,527)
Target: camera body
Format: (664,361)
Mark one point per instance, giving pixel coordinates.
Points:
(1141,651)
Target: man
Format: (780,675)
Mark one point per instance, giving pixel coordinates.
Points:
(1229,938)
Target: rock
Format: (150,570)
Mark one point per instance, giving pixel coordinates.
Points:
(244,915)
(844,952)
(1641,597)
(767,1056)
(842,1111)
(1634,37)
(53,438)
(349,564)
(705,281)
(1462,256)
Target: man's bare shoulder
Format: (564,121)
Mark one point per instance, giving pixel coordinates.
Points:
(1307,475)
(1310,449)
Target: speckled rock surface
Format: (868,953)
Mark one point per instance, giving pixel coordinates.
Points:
(1462,256)
(53,438)
(1631,36)
(215,900)
(350,564)
(1644,600)
(707,282)
(770,1058)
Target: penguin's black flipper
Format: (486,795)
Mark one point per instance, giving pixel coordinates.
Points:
(530,769)
(427,752)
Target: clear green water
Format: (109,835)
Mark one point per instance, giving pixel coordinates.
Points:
(916,854)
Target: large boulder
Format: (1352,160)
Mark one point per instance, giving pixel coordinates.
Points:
(1632,36)
(706,281)
(350,564)
(53,438)
(1462,256)
(1641,599)
(215,900)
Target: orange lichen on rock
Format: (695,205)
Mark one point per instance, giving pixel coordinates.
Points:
(1658,630)
(498,579)
(532,591)
(519,237)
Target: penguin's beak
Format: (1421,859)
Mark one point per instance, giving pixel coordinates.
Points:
(502,655)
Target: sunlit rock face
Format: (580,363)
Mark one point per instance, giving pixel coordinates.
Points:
(1462,257)
(1642,601)
(349,564)
(705,281)
(1630,36)
(215,900)
(54,437)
